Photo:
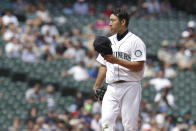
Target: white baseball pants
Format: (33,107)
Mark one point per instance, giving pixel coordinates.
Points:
(121,98)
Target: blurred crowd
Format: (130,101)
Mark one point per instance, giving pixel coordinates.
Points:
(39,39)
(84,114)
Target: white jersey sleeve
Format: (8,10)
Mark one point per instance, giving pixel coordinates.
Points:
(138,51)
(101,60)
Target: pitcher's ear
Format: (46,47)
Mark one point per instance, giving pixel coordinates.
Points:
(123,22)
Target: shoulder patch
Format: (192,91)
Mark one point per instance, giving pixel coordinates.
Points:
(138,53)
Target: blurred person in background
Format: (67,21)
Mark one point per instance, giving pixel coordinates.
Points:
(42,13)
(153,6)
(164,54)
(160,118)
(33,114)
(9,18)
(79,100)
(91,9)
(29,125)
(2,27)
(165,6)
(80,7)
(149,71)
(169,122)
(169,71)
(18,4)
(79,72)
(28,54)
(95,122)
(49,27)
(184,61)
(33,94)
(188,39)
(10,31)
(41,125)
(93,72)
(15,125)
(48,97)
(159,82)
(164,99)
(13,48)
(180,125)
(108,10)
(101,24)
(62,47)
(192,127)
(191,29)
(68,9)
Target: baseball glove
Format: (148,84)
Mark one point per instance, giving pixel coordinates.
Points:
(99,92)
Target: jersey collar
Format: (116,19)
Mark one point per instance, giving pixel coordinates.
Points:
(123,39)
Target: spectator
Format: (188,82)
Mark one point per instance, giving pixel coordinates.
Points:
(49,119)
(11,31)
(146,127)
(108,10)
(169,71)
(165,6)
(91,10)
(191,29)
(16,125)
(18,4)
(180,126)
(164,54)
(149,71)
(49,28)
(79,72)
(33,94)
(193,127)
(79,100)
(49,97)
(164,99)
(169,122)
(90,59)
(68,9)
(101,23)
(188,39)
(13,48)
(93,72)
(29,125)
(40,122)
(183,61)
(42,13)
(160,118)
(9,18)
(2,27)
(80,7)
(33,114)
(96,107)
(28,55)
(61,47)
(95,123)
(153,6)
(160,82)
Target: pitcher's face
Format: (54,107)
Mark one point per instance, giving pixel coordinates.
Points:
(115,24)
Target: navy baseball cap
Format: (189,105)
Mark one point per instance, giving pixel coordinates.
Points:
(102,45)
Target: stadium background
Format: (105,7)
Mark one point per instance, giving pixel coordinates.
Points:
(41,40)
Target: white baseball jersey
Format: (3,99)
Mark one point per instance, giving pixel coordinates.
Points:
(130,48)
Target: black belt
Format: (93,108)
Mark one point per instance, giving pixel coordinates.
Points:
(120,81)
